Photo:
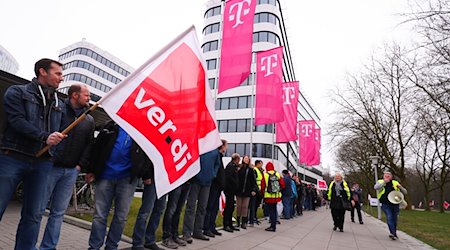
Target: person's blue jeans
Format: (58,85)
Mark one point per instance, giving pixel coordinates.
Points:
(272,211)
(212,208)
(175,203)
(121,191)
(286,207)
(34,174)
(153,207)
(195,209)
(59,191)
(391,211)
(307,203)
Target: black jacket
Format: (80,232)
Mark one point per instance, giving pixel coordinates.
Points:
(231,178)
(247,182)
(142,166)
(336,201)
(75,149)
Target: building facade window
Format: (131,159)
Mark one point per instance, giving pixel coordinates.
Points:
(93,69)
(240,102)
(89,81)
(212,28)
(94,55)
(212,12)
(242,125)
(271,2)
(259,150)
(212,83)
(265,17)
(210,46)
(266,36)
(211,64)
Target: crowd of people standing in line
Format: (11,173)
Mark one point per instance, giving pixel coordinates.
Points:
(115,162)
(35,115)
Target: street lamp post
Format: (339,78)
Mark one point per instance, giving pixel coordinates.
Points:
(375,160)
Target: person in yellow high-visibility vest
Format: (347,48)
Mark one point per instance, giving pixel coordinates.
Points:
(384,187)
(255,201)
(338,191)
(271,185)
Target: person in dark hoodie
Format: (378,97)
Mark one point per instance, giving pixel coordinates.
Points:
(247,189)
(209,227)
(72,155)
(116,164)
(198,196)
(286,195)
(230,190)
(271,186)
(34,117)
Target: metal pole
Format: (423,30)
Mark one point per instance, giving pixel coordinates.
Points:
(252,126)
(378,201)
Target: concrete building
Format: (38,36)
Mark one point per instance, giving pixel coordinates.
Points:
(85,62)
(233,107)
(7,62)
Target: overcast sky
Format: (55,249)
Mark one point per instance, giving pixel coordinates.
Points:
(327,37)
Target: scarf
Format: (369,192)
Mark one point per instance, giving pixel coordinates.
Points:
(338,187)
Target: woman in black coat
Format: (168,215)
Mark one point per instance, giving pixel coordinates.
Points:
(247,188)
(338,193)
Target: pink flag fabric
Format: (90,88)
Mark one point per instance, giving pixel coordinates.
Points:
(306,138)
(287,130)
(317,144)
(167,108)
(237,41)
(269,87)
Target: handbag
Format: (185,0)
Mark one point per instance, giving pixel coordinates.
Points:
(346,204)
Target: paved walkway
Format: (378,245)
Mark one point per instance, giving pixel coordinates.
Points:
(311,231)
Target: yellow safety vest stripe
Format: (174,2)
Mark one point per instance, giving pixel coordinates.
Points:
(383,190)
(266,179)
(259,177)
(330,188)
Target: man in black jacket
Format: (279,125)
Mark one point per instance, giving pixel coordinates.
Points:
(230,190)
(116,164)
(71,156)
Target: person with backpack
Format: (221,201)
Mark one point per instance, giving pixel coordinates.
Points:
(271,186)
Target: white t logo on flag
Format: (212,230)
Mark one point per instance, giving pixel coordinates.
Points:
(268,63)
(306,129)
(240,11)
(288,94)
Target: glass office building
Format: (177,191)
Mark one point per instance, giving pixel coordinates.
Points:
(233,107)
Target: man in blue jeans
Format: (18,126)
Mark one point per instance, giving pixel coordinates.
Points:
(34,115)
(175,203)
(384,187)
(286,195)
(116,164)
(70,157)
(144,233)
(194,215)
(218,183)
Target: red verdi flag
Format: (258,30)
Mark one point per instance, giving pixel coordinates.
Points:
(167,108)
(317,138)
(269,88)
(287,129)
(237,41)
(322,185)
(306,138)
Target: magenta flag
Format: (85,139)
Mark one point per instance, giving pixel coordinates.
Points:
(287,130)
(306,140)
(317,144)
(269,87)
(237,41)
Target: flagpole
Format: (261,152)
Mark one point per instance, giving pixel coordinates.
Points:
(70,127)
(252,126)
(273,141)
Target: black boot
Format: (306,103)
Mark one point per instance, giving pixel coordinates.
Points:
(238,221)
(244,223)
